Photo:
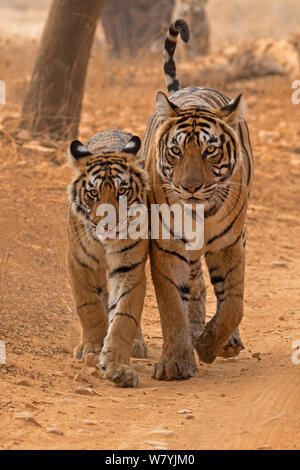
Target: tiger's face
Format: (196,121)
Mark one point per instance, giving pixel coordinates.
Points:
(190,6)
(198,149)
(103,179)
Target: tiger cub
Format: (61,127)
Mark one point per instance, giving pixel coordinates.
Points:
(198,153)
(107,169)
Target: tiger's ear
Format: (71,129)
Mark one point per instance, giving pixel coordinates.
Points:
(165,107)
(231,111)
(133,146)
(78,154)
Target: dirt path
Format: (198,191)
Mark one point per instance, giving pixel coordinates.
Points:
(243,403)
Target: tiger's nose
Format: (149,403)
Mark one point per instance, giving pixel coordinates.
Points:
(192,189)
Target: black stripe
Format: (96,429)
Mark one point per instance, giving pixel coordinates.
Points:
(226,230)
(245,150)
(87,304)
(120,314)
(86,252)
(125,269)
(173,253)
(183,290)
(113,306)
(126,248)
(216,279)
(81,263)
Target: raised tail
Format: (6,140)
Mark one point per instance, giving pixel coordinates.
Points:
(178,27)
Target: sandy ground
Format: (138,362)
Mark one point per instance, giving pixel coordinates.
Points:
(248,402)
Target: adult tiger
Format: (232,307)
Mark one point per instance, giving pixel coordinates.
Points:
(197,150)
(106,170)
(193,12)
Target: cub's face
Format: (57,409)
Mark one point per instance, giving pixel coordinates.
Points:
(197,149)
(103,181)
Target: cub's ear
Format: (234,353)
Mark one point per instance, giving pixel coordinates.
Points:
(133,146)
(233,110)
(165,107)
(77,153)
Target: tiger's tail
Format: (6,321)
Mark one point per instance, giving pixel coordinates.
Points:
(178,27)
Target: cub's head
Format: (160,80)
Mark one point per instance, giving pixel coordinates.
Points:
(198,149)
(104,178)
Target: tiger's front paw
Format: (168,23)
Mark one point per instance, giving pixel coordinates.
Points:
(206,353)
(174,370)
(85,348)
(123,375)
(208,345)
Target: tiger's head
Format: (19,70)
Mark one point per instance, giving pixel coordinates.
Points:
(198,149)
(104,178)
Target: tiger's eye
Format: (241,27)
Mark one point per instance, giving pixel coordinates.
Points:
(122,191)
(93,193)
(176,150)
(211,149)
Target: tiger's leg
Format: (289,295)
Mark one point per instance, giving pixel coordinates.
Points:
(126,299)
(170,273)
(139,348)
(88,281)
(197,302)
(226,268)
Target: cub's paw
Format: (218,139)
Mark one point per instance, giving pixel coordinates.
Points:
(232,348)
(85,348)
(121,374)
(139,349)
(174,370)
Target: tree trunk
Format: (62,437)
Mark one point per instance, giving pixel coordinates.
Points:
(53,100)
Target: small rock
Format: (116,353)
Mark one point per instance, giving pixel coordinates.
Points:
(30,406)
(113,399)
(256,356)
(23,382)
(189,417)
(266,447)
(279,264)
(91,359)
(281,318)
(89,422)
(84,391)
(165,432)
(26,416)
(82,376)
(184,411)
(156,443)
(56,431)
